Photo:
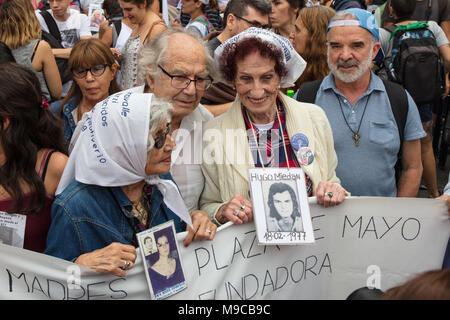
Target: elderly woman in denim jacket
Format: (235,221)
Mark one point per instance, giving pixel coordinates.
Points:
(120,161)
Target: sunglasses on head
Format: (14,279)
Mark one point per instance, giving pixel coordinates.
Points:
(160,140)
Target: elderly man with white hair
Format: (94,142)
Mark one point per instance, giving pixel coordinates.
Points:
(177,66)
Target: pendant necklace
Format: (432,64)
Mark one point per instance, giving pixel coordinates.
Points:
(256,140)
(356,136)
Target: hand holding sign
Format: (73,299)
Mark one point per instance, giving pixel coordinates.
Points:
(114,259)
(238,210)
(329,194)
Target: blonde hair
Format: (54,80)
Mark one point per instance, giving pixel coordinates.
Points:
(18,23)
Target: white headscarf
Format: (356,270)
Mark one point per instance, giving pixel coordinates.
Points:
(295,65)
(109,149)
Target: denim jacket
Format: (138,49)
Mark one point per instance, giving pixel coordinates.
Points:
(69,122)
(89,217)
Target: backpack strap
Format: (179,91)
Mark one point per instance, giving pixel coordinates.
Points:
(308,91)
(51,25)
(116,27)
(34,50)
(428,12)
(399,105)
(44,163)
(396,94)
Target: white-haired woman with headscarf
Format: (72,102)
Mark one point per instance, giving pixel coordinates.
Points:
(116,184)
(272,130)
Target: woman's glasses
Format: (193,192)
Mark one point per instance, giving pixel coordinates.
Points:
(160,140)
(96,71)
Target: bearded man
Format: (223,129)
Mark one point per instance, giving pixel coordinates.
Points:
(366,134)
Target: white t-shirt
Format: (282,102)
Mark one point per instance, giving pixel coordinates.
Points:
(76,26)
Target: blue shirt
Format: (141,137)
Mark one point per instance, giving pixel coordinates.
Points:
(367,170)
(89,217)
(68,121)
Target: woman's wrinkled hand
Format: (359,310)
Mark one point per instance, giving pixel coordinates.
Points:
(204,228)
(114,259)
(329,194)
(238,210)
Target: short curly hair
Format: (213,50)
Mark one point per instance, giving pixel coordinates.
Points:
(238,51)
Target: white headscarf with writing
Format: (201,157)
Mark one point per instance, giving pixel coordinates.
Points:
(109,149)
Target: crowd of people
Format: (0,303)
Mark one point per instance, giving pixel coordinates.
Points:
(104,135)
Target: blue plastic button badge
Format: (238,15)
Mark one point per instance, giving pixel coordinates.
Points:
(299,140)
(305,156)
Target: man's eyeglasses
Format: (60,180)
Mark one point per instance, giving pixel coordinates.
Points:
(181,82)
(254,23)
(96,71)
(160,140)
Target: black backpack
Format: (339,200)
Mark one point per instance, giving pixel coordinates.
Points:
(397,99)
(415,62)
(337,4)
(116,24)
(54,40)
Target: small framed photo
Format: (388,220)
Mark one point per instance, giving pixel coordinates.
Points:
(162,262)
(96,16)
(280,206)
(12,229)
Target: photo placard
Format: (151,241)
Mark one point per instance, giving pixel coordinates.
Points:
(96,16)
(162,261)
(280,206)
(12,229)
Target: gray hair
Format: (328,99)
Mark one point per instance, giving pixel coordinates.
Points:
(341,15)
(155,53)
(159,111)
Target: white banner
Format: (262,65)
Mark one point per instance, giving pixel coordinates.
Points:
(379,242)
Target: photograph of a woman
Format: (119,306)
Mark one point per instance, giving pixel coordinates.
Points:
(164,269)
(284,211)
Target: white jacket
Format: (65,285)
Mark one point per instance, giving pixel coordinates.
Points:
(230,177)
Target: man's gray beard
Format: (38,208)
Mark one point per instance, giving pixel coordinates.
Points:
(349,77)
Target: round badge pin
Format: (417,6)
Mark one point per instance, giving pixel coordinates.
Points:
(305,156)
(299,140)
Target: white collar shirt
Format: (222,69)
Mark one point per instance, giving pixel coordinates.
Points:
(187,156)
